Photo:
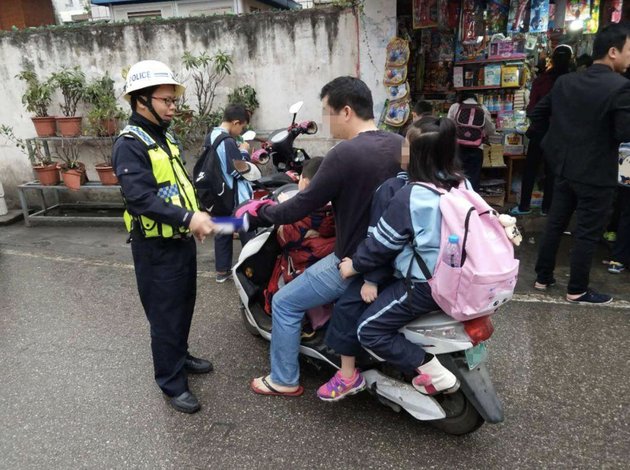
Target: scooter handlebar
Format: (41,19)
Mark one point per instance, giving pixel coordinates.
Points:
(260,156)
(308,127)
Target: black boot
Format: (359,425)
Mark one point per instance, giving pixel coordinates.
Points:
(186,403)
(198,366)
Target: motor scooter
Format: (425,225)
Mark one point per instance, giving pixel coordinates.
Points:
(279,149)
(459,346)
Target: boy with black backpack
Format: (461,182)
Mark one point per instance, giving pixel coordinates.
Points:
(220,186)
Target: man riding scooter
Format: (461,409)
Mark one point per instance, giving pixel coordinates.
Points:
(348,177)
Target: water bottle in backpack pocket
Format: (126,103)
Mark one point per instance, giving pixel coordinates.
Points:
(452,255)
(470,121)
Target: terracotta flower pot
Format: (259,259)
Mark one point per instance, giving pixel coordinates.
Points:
(69,126)
(106,174)
(74,178)
(47,175)
(45,126)
(108,128)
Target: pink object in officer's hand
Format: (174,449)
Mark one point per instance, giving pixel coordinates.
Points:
(252,207)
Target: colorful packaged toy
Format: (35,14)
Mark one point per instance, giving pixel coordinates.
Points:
(398,92)
(510,76)
(492,75)
(395,75)
(397,53)
(539,16)
(397,113)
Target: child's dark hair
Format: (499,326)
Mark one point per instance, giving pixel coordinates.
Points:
(467,95)
(311,166)
(352,92)
(433,152)
(584,60)
(561,59)
(423,108)
(236,112)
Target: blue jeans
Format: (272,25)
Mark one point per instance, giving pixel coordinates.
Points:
(318,285)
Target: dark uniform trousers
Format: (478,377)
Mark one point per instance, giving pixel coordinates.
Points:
(166,271)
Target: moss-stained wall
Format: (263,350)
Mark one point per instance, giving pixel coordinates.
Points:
(286,57)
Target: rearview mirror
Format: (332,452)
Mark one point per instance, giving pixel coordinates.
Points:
(249,135)
(295,107)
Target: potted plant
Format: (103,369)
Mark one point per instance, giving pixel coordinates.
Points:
(47,172)
(105,171)
(105,114)
(245,95)
(71,82)
(37,98)
(72,170)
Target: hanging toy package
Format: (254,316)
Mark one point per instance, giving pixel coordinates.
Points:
(539,16)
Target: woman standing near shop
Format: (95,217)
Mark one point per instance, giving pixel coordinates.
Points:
(543,84)
(472,157)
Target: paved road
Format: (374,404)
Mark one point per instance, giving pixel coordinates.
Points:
(76,388)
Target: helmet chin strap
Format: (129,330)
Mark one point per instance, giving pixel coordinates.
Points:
(149,104)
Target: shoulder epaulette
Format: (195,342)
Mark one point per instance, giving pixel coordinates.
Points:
(138,133)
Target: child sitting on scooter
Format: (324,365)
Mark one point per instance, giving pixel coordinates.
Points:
(411,222)
(303,243)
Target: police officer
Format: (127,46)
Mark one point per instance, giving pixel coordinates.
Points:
(162,215)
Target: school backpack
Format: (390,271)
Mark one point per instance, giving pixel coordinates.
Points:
(487,273)
(215,196)
(470,121)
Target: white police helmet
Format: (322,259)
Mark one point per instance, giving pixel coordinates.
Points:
(148,73)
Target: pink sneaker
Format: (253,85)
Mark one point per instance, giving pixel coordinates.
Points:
(434,378)
(338,387)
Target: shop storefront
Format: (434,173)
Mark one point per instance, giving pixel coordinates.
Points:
(493,49)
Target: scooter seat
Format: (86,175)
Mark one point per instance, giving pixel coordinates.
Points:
(275,180)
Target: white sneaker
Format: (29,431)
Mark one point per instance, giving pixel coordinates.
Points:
(434,378)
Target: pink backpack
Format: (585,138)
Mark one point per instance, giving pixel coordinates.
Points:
(488,271)
(470,121)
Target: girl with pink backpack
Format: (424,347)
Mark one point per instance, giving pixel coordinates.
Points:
(467,272)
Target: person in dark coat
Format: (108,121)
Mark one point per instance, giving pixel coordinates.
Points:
(587,117)
(560,62)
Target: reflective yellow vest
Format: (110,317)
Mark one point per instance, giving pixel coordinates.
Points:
(174,185)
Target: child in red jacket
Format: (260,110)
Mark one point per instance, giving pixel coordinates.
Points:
(303,243)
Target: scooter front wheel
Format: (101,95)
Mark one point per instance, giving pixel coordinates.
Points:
(461,415)
(248,326)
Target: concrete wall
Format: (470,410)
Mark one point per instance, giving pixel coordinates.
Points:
(286,57)
(377,26)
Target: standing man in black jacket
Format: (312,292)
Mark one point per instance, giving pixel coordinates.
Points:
(587,116)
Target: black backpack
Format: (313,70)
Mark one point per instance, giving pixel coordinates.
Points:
(215,195)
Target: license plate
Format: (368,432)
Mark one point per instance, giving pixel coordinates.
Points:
(476,355)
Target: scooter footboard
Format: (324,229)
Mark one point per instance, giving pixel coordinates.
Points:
(476,385)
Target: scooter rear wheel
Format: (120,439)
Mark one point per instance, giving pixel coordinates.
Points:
(461,415)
